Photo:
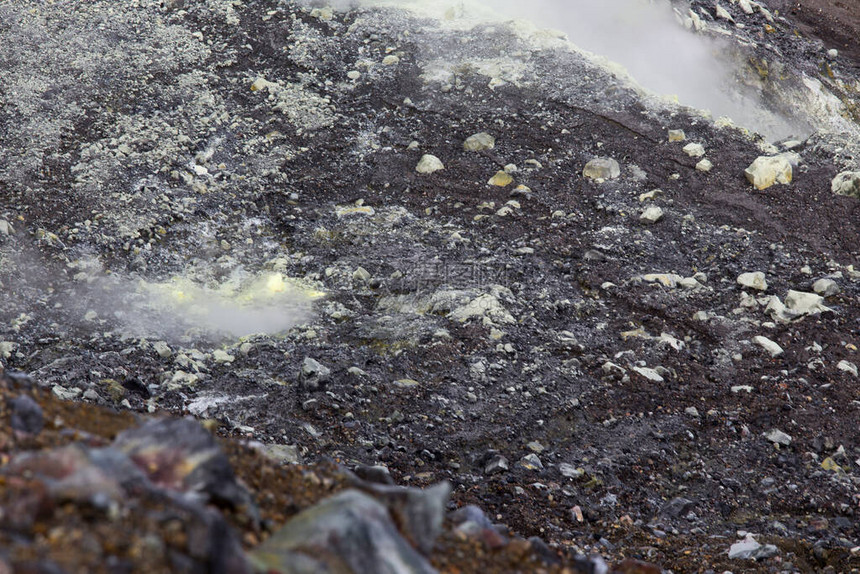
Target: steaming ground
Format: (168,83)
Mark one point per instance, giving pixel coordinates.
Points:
(182,310)
(649,40)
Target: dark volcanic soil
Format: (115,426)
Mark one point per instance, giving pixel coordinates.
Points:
(582,375)
(836,22)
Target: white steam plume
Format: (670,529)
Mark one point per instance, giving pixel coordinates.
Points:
(645,37)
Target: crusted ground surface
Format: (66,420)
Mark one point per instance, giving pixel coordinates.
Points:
(584,376)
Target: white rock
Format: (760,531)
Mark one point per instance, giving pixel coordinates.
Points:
(694,150)
(770,346)
(65,394)
(163,349)
(7,348)
(479,141)
(832,53)
(723,13)
(846,183)
(754,280)
(429,164)
(778,437)
(649,374)
(805,303)
(826,287)
(486,307)
(704,166)
(602,168)
(744,549)
(650,195)
(570,471)
(222,357)
(677,135)
(5,227)
(361,274)
(745,6)
(768,170)
(848,367)
(670,280)
(651,215)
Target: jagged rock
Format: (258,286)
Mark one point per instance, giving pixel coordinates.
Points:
(803,303)
(313,374)
(501,179)
(486,307)
(418,512)
(429,164)
(479,142)
(846,183)
(677,135)
(602,168)
(753,280)
(723,13)
(651,215)
(109,481)
(694,149)
(765,171)
(531,461)
(182,455)
(778,437)
(497,464)
(749,549)
(348,533)
(826,287)
(705,166)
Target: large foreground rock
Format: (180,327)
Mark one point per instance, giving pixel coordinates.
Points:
(350,533)
(766,171)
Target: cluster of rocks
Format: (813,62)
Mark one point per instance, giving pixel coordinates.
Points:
(575,303)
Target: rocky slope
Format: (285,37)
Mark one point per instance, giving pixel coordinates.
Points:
(380,238)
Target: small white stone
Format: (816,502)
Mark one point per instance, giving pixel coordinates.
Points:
(651,215)
(778,437)
(649,374)
(694,150)
(222,357)
(770,346)
(353,75)
(429,164)
(479,142)
(832,53)
(704,166)
(754,280)
(602,168)
(361,274)
(847,367)
(677,135)
(723,13)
